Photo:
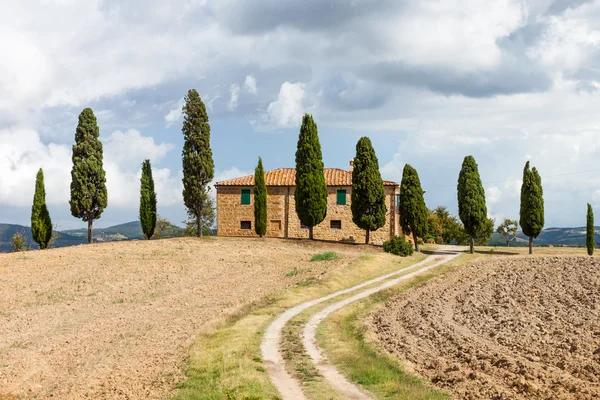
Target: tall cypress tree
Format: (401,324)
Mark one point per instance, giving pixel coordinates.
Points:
(532,205)
(368,195)
(311,189)
(590,230)
(413,212)
(41,224)
(198,165)
(147,201)
(472,209)
(260,200)
(89,197)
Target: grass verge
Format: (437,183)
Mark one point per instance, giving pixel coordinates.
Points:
(329,255)
(226,363)
(351,347)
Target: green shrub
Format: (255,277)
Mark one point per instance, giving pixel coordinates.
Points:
(330,255)
(398,246)
(19,242)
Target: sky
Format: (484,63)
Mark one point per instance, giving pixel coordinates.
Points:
(429,82)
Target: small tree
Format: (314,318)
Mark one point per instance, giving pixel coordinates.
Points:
(147,201)
(532,205)
(507,228)
(41,224)
(590,230)
(89,197)
(368,194)
(208,220)
(471,200)
(413,212)
(311,190)
(18,242)
(198,165)
(260,200)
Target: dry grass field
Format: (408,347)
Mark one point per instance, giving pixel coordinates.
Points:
(116,320)
(502,328)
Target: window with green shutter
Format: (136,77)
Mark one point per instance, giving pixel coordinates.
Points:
(341,196)
(245,196)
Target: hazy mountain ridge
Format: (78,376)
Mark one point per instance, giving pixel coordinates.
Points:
(550,236)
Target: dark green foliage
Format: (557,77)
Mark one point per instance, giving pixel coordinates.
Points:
(413,212)
(590,230)
(260,200)
(368,195)
(398,246)
(147,201)
(41,224)
(311,189)
(328,255)
(483,236)
(532,205)
(89,197)
(471,200)
(198,165)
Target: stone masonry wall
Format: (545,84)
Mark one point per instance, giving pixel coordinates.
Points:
(230,213)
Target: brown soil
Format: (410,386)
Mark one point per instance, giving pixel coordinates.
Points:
(524,328)
(115,320)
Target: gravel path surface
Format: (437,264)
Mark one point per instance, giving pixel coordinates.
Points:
(289,387)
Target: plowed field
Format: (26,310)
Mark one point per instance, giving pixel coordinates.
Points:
(520,328)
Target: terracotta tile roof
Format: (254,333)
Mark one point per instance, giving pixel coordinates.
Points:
(287,177)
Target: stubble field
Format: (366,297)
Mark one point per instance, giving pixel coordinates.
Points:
(115,320)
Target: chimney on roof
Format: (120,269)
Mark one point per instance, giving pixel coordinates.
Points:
(351,164)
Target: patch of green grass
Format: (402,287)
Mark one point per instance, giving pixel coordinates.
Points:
(328,255)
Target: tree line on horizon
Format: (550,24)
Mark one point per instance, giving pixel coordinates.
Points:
(89,197)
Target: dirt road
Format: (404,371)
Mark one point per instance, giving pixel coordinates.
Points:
(115,320)
(518,328)
(289,387)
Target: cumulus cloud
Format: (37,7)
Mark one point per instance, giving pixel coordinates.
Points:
(288,109)
(250,84)
(175,114)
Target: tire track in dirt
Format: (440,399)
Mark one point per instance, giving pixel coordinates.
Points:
(289,387)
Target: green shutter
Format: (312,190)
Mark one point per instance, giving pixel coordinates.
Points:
(245,196)
(341,196)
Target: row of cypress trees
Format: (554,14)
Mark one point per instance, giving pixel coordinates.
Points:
(367,198)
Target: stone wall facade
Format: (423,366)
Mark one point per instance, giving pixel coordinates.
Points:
(236,219)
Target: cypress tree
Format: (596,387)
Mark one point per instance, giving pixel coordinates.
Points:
(147,201)
(260,200)
(532,205)
(89,197)
(471,200)
(41,224)
(368,195)
(413,212)
(311,189)
(198,165)
(590,230)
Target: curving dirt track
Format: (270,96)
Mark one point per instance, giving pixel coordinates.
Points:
(115,320)
(521,328)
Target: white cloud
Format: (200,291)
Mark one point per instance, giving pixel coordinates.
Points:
(250,84)
(492,195)
(288,109)
(131,148)
(235,95)
(175,114)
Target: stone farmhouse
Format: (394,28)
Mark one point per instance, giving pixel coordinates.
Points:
(235,208)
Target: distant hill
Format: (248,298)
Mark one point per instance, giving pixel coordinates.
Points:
(550,236)
(128,231)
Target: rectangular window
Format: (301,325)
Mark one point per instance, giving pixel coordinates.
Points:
(335,224)
(341,196)
(276,225)
(398,203)
(245,196)
(246,224)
